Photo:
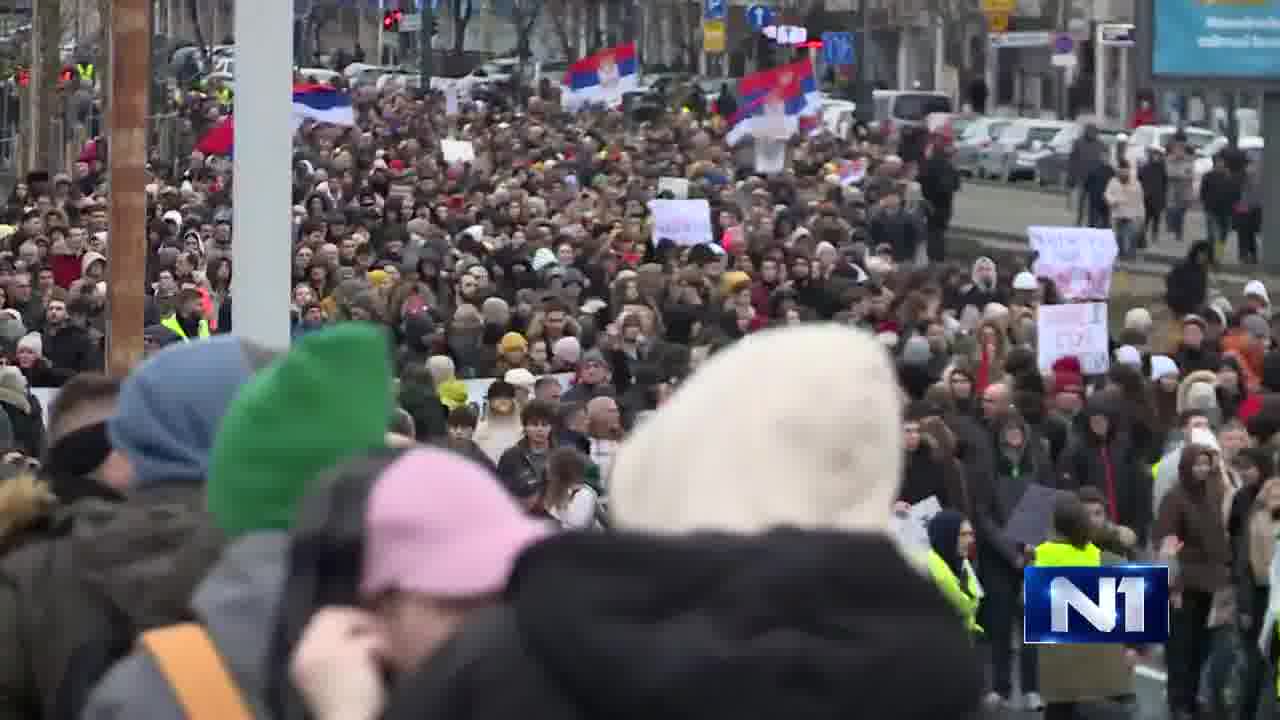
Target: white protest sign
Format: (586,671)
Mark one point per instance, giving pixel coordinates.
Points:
(1079,330)
(912,528)
(678,187)
(684,222)
(457,151)
(1078,260)
(771,156)
(451,101)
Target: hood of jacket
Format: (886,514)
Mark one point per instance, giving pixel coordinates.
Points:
(714,625)
(1184,387)
(145,555)
(25,502)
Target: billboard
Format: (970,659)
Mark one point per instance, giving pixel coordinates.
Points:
(1228,39)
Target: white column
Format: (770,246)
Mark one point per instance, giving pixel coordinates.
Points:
(1099,75)
(1125,102)
(904,58)
(940,57)
(262,197)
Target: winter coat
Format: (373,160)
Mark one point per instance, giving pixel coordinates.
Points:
(1187,284)
(694,627)
(1111,465)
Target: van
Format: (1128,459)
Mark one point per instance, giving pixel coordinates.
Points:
(896,109)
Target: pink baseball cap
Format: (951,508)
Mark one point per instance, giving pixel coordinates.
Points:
(439,524)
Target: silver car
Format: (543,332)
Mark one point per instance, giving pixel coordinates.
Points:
(998,160)
(978,135)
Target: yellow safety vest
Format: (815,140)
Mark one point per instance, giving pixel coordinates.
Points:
(964,603)
(172,323)
(85,72)
(1059,554)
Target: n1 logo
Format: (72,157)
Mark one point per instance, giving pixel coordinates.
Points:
(1109,604)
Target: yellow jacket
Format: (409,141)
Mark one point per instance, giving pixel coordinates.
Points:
(964,603)
(172,323)
(1060,554)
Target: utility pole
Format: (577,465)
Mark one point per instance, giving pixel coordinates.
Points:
(425,59)
(127,162)
(862,54)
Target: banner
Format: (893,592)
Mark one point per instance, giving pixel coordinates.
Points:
(1078,260)
(1078,330)
(684,222)
(1230,40)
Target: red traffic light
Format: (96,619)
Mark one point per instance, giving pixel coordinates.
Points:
(391,20)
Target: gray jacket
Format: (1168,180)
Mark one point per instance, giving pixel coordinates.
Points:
(237,604)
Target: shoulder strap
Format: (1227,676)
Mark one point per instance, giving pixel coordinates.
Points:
(196,673)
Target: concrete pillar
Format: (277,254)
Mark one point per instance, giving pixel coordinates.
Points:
(262,246)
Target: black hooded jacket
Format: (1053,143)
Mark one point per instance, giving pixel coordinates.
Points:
(710,626)
(1089,460)
(1187,284)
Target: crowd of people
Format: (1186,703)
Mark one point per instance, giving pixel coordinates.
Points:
(523,458)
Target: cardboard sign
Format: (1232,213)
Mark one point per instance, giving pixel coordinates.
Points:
(678,187)
(912,529)
(1080,330)
(1078,260)
(457,152)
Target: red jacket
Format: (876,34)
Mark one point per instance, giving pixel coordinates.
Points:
(66,269)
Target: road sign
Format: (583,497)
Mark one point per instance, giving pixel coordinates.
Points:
(837,48)
(410,22)
(713,10)
(999,7)
(1117,34)
(759,17)
(998,22)
(1063,44)
(713,36)
(1064,60)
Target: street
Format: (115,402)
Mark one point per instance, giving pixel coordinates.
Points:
(1149,684)
(1004,211)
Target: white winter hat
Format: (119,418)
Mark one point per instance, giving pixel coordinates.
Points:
(1025,281)
(1128,355)
(1162,365)
(818,429)
(1255,288)
(1205,437)
(32,341)
(1139,319)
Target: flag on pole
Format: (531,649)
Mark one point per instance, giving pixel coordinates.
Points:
(776,103)
(602,78)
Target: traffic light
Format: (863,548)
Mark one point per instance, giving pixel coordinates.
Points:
(391,20)
(435,26)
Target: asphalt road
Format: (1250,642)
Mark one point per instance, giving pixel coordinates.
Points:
(1149,685)
(1004,211)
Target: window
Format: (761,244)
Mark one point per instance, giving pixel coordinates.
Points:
(915,107)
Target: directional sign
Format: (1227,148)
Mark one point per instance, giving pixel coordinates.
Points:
(1063,44)
(410,22)
(1117,35)
(998,22)
(837,48)
(713,10)
(759,17)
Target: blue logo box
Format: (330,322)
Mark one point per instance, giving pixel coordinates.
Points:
(1109,604)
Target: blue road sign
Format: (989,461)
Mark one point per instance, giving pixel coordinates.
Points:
(759,17)
(837,48)
(713,10)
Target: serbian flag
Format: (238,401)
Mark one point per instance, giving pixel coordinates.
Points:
(323,104)
(776,103)
(602,78)
(219,139)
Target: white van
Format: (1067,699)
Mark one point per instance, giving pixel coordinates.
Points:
(896,109)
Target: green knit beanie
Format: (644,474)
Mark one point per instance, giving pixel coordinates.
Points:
(326,400)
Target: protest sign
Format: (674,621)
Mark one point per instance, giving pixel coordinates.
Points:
(451,101)
(1078,260)
(771,156)
(457,151)
(684,222)
(912,528)
(851,172)
(1079,329)
(678,187)
(1032,518)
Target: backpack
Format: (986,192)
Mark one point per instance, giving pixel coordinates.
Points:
(199,679)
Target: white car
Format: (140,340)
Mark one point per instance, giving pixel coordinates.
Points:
(999,159)
(1144,137)
(1250,145)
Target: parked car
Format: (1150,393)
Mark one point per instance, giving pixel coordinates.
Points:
(978,135)
(998,160)
(1144,137)
(1053,162)
(896,109)
(1251,145)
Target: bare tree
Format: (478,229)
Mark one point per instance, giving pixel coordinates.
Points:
(959,19)
(559,13)
(42,91)
(193,11)
(524,15)
(462,11)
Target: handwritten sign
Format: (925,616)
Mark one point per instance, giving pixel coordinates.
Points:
(678,187)
(1078,260)
(1079,329)
(457,152)
(852,172)
(684,222)
(912,528)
